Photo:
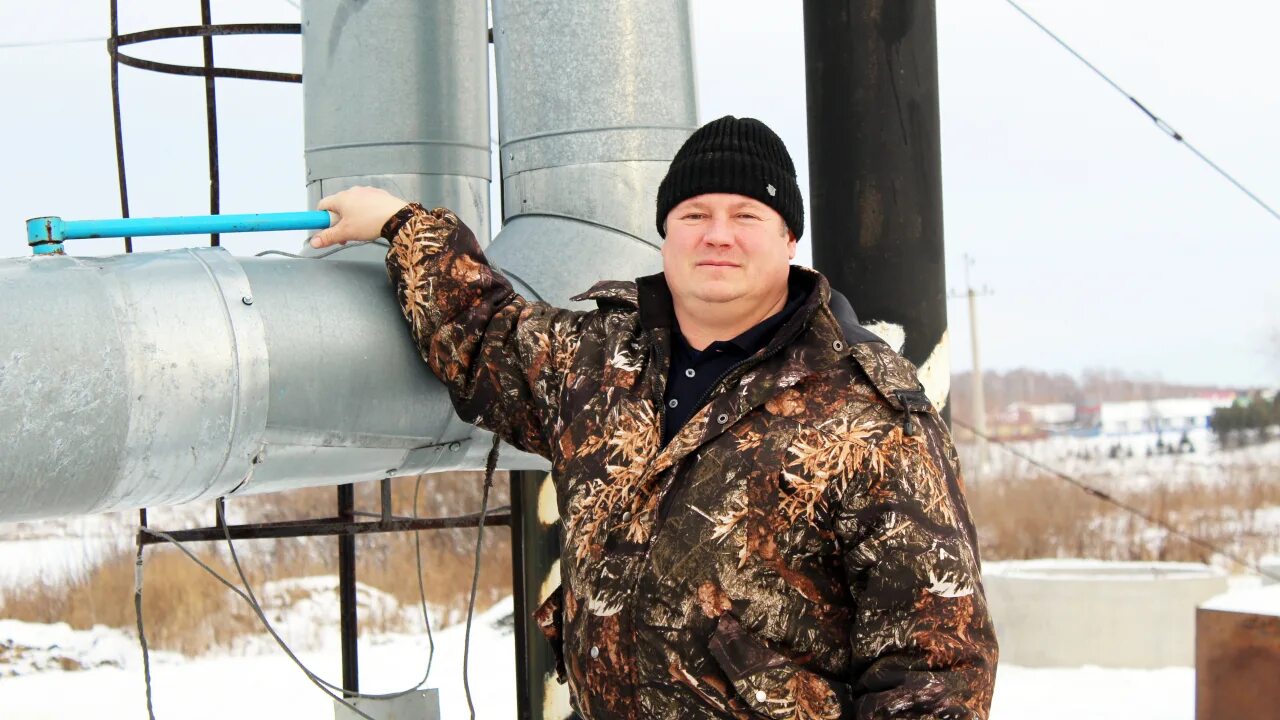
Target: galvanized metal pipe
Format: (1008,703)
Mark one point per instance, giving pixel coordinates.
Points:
(594,99)
(160,378)
(396,95)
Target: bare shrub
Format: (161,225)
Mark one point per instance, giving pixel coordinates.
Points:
(185,609)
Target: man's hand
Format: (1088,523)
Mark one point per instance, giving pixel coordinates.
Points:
(358,213)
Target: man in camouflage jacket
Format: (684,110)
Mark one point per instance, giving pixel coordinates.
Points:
(798,548)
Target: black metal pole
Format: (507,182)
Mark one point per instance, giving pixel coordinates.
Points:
(211,119)
(115,118)
(347,591)
(875,163)
(535,547)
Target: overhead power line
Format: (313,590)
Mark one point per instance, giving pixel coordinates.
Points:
(48,43)
(1164,127)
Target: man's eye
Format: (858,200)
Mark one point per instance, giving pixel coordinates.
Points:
(748,216)
(693,216)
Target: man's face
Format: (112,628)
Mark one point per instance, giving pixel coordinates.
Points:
(724,248)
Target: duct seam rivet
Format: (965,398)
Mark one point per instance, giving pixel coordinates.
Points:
(455,446)
(247,299)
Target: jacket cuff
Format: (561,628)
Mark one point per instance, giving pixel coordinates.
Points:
(397,221)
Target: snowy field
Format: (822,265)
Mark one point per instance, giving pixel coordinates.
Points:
(1132,468)
(268,685)
(51,671)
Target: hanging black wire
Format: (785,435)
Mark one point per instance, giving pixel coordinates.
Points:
(122,183)
(1165,127)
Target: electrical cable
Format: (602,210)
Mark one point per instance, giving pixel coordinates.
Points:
(261,616)
(257,608)
(422,591)
(326,254)
(1164,127)
(142,634)
(248,596)
(1107,498)
(49,43)
(490,464)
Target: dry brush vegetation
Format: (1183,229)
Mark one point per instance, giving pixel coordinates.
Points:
(189,611)
(1036,516)
(1022,515)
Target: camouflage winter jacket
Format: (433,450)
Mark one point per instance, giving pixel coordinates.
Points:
(800,549)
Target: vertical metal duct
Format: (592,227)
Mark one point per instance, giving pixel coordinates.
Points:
(594,99)
(396,95)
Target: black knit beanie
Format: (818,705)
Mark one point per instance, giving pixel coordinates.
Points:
(741,156)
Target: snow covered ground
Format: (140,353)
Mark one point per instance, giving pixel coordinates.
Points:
(268,685)
(264,684)
(51,671)
(1090,457)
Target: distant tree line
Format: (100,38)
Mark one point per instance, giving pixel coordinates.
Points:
(1250,418)
(1000,389)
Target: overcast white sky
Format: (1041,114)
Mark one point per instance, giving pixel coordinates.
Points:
(1105,243)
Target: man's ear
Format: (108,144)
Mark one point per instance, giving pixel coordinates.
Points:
(791,245)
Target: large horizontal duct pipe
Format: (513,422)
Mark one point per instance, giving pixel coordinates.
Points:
(160,378)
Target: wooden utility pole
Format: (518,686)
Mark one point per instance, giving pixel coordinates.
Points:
(979,399)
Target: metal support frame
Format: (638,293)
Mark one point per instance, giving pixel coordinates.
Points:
(346,527)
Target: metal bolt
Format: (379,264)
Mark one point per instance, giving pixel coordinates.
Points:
(837,345)
(761,696)
(626,516)
(723,418)
(455,446)
(247,299)
(595,652)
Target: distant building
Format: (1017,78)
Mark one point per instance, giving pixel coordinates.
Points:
(1172,415)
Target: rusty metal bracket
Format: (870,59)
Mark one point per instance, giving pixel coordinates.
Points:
(114,44)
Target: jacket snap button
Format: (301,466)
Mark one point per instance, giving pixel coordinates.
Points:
(722,419)
(595,652)
(761,696)
(690,372)
(837,345)
(626,516)
(673,402)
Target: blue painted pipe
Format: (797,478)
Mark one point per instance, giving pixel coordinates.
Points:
(46,234)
